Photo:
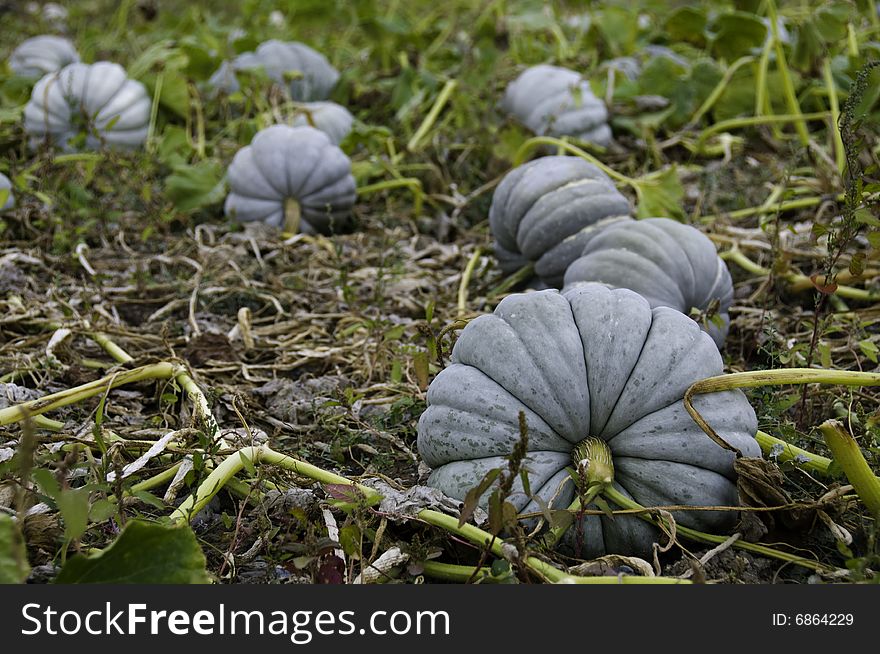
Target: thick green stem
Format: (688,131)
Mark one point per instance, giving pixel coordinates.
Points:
(788,205)
(484,539)
(535,142)
(117,353)
(413,184)
(431,118)
(796,281)
(464,573)
(292,216)
(19,412)
(758,378)
(613,495)
(787,84)
(761,79)
(839,151)
(460,574)
(751,121)
(719,88)
(234,463)
(850,458)
(789,452)
(521,275)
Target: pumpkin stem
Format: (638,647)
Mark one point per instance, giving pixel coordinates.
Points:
(592,460)
(292,215)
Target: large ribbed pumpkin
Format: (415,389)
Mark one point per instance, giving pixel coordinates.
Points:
(668,263)
(556,101)
(97,101)
(590,362)
(292,177)
(543,210)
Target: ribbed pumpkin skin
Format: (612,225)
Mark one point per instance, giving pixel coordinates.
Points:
(555,101)
(541,211)
(40,55)
(98,98)
(666,262)
(304,72)
(291,162)
(594,362)
(331,118)
(6,185)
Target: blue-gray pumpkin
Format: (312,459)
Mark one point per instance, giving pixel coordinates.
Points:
(39,55)
(555,101)
(543,210)
(590,362)
(668,263)
(292,177)
(331,118)
(95,101)
(304,72)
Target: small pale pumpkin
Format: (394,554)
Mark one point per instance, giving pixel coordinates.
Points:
(556,101)
(668,263)
(39,55)
(331,118)
(543,210)
(97,100)
(304,72)
(590,362)
(292,177)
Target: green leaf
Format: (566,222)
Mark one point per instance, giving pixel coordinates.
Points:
(350,540)
(144,553)
(865,217)
(660,196)
(46,481)
(736,34)
(74,507)
(102,510)
(174,148)
(831,20)
(150,499)
(807,46)
(619,28)
(196,186)
(686,24)
(472,499)
(14,566)
(869,349)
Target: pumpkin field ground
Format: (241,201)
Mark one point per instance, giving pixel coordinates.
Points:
(323,347)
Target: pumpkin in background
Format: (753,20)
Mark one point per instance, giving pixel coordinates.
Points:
(95,100)
(590,362)
(291,177)
(39,55)
(305,73)
(555,101)
(668,263)
(331,118)
(543,210)
(6,186)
